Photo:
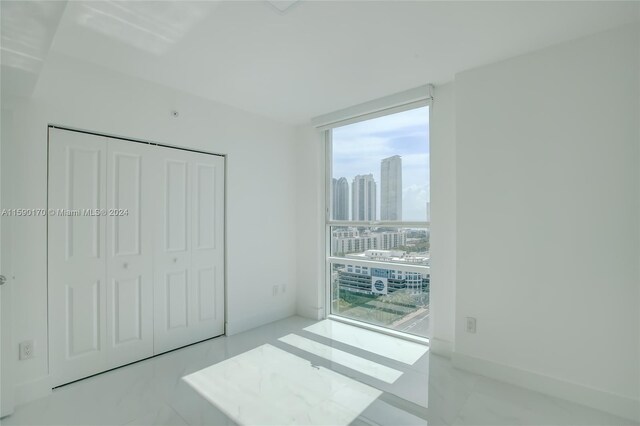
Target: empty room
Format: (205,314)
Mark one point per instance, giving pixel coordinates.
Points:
(332,213)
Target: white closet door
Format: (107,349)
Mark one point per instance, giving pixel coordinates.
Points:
(76,253)
(129,252)
(207,246)
(172,260)
(136,251)
(188,263)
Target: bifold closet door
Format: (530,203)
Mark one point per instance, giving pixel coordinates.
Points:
(100,254)
(135,251)
(189,255)
(77,255)
(129,252)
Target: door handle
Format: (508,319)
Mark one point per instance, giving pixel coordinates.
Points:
(3,279)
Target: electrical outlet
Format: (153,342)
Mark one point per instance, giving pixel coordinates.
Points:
(26,349)
(471,325)
(275,290)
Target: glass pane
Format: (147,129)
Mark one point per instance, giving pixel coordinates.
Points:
(380,168)
(383,278)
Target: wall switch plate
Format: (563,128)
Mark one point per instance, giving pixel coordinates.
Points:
(283,288)
(471,325)
(275,290)
(26,349)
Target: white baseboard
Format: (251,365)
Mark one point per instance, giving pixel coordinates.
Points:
(244,324)
(310,312)
(35,389)
(615,404)
(441,347)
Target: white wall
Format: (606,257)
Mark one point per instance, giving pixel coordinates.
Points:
(548,220)
(6,311)
(443,220)
(535,220)
(310,223)
(261,196)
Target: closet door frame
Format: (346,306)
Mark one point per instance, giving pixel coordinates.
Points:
(51,344)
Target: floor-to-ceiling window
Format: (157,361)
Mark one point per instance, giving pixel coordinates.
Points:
(378,201)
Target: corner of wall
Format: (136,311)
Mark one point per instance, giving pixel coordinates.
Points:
(248,323)
(443,219)
(309,223)
(441,347)
(310,312)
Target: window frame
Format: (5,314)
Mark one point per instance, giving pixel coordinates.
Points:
(327,139)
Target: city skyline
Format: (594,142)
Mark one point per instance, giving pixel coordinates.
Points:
(359,148)
(390,194)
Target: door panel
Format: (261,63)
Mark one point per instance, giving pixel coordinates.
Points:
(205,207)
(172,254)
(127,312)
(126,183)
(190,307)
(83,318)
(77,267)
(206,294)
(176,205)
(177,299)
(129,252)
(207,256)
(85,183)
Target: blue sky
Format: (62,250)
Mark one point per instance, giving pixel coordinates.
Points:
(358,149)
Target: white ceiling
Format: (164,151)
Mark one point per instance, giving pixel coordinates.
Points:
(26,32)
(316,57)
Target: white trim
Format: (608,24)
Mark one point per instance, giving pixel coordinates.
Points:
(379,223)
(409,99)
(379,329)
(441,347)
(35,389)
(128,139)
(326,229)
(618,405)
(249,322)
(421,269)
(311,313)
(403,101)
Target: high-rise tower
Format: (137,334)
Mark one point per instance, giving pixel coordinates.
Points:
(391,188)
(363,199)
(340,199)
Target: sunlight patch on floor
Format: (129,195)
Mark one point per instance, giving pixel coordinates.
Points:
(354,362)
(269,386)
(371,341)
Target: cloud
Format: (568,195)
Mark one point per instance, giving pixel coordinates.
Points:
(409,121)
(414,202)
(359,148)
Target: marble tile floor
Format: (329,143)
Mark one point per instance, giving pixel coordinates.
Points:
(412,387)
